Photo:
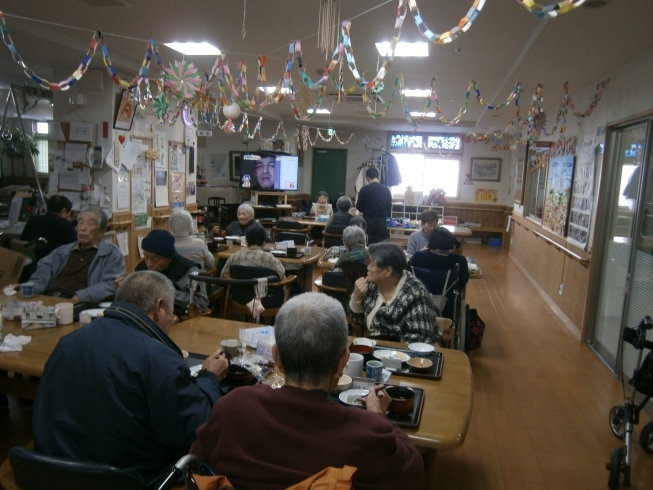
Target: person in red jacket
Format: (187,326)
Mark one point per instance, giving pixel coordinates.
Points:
(261,437)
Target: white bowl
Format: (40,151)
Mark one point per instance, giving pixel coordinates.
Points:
(364,341)
(344,383)
(421,348)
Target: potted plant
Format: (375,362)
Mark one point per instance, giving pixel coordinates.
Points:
(15,146)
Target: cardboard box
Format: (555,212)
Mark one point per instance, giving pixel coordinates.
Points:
(11,266)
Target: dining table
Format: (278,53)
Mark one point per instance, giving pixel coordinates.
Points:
(307,261)
(447,405)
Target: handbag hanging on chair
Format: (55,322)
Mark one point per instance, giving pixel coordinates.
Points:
(440,300)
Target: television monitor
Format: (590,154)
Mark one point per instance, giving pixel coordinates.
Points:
(260,171)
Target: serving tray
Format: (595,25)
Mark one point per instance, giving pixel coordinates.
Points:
(411,419)
(434,372)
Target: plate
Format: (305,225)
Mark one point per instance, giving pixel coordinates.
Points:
(421,348)
(364,341)
(333,260)
(402,356)
(344,396)
(278,252)
(233,238)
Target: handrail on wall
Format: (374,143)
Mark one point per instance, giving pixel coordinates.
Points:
(583,261)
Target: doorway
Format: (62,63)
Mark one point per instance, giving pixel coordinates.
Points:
(329,173)
(623,278)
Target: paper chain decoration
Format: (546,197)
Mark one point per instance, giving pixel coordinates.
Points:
(552,10)
(464,24)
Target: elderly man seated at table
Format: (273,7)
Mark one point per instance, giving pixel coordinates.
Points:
(118,391)
(159,255)
(245,215)
(340,219)
(84,270)
(193,248)
(261,437)
(391,302)
(254,255)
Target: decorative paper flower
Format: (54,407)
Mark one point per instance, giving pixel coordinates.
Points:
(161,105)
(152,154)
(183,79)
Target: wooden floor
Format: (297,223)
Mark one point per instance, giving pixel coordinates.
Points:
(541,399)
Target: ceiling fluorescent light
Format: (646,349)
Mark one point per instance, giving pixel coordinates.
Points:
(420,114)
(417,92)
(405,49)
(321,111)
(191,49)
(270,90)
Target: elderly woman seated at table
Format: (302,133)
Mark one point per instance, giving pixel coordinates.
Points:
(340,219)
(334,252)
(322,205)
(392,303)
(245,215)
(193,248)
(254,255)
(354,240)
(310,431)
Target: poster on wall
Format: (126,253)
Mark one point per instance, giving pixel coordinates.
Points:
(582,202)
(558,192)
(486,195)
(178,189)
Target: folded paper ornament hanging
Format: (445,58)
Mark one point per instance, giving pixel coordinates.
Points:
(231,111)
(183,79)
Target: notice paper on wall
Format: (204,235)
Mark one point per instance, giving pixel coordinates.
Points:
(70,180)
(122,191)
(74,198)
(81,131)
(123,242)
(75,152)
(161,188)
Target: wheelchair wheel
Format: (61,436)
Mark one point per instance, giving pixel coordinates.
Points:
(646,438)
(618,421)
(615,468)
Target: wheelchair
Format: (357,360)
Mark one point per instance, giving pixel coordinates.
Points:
(624,417)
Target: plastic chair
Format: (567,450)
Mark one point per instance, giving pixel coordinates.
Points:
(298,238)
(331,239)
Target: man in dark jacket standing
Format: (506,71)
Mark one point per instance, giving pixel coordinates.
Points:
(54,226)
(118,391)
(375,202)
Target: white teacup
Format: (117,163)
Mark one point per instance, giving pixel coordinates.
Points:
(354,367)
(63,312)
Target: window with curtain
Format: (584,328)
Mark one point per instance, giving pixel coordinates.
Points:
(424,172)
(41,159)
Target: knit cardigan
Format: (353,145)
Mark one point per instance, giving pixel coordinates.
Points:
(410,317)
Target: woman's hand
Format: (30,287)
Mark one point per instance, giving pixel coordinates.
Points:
(360,289)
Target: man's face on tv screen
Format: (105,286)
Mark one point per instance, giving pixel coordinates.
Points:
(265,172)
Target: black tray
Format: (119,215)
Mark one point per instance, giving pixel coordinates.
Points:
(411,419)
(194,359)
(434,372)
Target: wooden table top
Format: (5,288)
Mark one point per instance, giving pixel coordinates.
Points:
(31,360)
(314,256)
(447,403)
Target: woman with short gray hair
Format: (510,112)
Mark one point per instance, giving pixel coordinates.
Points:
(340,219)
(391,302)
(355,240)
(193,248)
(245,215)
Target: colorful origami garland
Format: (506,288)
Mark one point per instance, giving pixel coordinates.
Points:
(463,25)
(550,10)
(64,84)
(183,79)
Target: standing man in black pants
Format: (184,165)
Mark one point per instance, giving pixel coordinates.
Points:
(375,202)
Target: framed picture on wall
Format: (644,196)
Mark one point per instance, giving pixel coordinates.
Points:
(125,114)
(234,166)
(487,169)
(558,193)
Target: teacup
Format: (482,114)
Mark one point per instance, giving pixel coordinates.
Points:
(231,348)
(354,367)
